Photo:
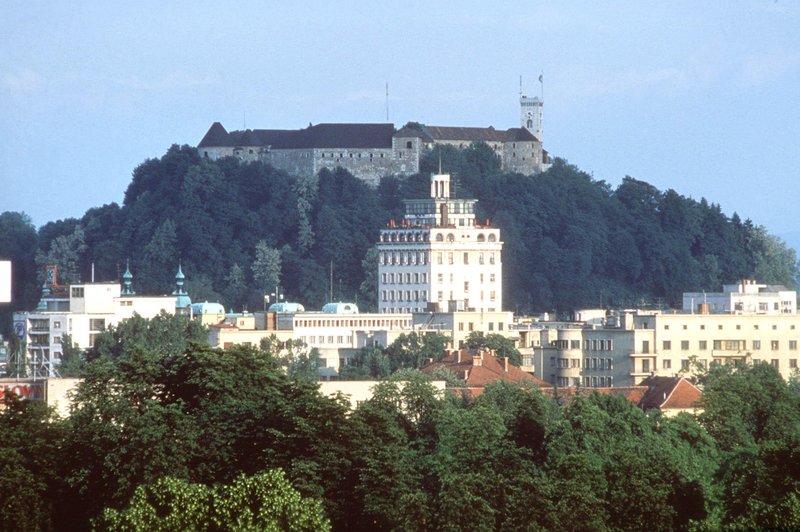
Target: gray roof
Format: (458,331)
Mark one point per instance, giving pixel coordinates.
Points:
(334,136)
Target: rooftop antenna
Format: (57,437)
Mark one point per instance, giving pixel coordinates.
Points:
(520,84)
(244,120)
(331,285)
(387,101)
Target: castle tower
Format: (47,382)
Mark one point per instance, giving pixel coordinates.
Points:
(438,258)
(530,115)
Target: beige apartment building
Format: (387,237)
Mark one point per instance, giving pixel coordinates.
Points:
(629,346)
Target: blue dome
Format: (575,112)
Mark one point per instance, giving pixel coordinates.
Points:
(286,308)
(207,308)
(340,308)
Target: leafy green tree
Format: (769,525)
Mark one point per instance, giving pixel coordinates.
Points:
(414,350)
(264,501)
(236,290)
(161,257)
(501,345)
(368,290)
(72,358)
(18,243)
(267,267)
(66,252)
(29,460)
(368,363)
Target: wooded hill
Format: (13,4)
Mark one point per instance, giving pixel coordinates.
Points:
(241,228)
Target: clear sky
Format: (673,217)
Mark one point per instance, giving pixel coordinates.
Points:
(702,97)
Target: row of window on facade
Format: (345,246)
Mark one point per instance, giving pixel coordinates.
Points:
(594,363)
(341,155)
(738,326)
(388,258)
(588,382)
(407,278)
(410,295)
(721,345)
(352,323)
(327,340)
(588,345)
(422,236)
(403,310)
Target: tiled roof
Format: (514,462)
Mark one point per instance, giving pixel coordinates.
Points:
(482,368)
(669,393)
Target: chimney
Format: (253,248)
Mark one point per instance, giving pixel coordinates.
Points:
(505,364)
(477,360)
(466,374)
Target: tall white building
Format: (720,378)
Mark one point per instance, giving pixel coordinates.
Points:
(439,258)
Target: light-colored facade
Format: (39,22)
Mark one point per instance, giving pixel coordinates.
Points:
(459,325)
(439,258)
(87,311)
(337,332)
(639,344)
(745,297)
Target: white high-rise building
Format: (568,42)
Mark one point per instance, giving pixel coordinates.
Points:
(439,258)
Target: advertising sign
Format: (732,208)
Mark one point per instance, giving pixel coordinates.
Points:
(30,390)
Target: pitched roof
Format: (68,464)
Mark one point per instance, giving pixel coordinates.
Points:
(481,368)
(669,393)
(335,136)
(467,134)
(216,136)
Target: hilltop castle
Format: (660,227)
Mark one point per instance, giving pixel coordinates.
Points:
(371,151)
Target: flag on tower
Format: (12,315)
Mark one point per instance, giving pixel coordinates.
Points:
(541,78)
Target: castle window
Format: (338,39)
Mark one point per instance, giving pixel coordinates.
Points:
(408,144)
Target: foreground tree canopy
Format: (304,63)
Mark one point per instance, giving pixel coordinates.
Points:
(173,436)
(242,228)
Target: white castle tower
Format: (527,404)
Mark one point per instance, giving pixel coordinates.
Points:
(530,115)
(438,258)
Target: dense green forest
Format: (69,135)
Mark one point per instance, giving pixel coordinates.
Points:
(167,433)
(240,229)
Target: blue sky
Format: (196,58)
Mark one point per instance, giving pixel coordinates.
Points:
(701,97)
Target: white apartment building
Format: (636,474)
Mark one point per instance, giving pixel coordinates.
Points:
(89,310)
(81,311)
(745,297)
(438,258)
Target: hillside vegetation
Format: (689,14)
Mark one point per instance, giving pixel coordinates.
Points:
(239,229)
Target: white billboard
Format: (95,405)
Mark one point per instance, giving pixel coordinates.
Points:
(5,281)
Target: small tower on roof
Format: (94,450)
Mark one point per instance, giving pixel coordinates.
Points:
(127,280)
(183,302)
